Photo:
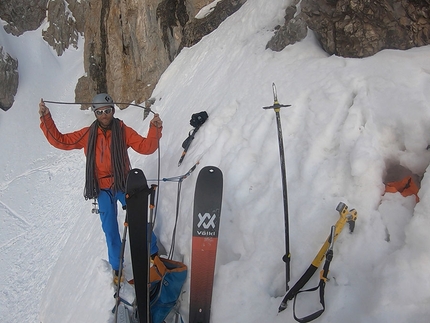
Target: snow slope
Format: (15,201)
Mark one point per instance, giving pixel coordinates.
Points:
(350,120)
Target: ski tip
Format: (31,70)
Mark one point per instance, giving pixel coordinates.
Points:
(211,170)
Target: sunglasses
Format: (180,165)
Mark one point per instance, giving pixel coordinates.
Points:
(106,111)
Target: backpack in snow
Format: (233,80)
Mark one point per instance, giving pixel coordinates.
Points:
(167,278)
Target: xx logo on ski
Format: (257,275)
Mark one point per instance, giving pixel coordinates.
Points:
(206,225)
(203,218)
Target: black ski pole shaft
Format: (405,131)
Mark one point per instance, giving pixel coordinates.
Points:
(150,225)
(152,205)
(121,258)
(277,107)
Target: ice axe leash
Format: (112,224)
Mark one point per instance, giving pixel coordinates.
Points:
(277,107)
(326,252)
(321,286)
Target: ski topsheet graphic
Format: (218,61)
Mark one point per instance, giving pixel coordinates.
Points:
(206,221)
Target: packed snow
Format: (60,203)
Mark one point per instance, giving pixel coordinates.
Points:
(349,121)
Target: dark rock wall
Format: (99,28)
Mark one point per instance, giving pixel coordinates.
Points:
(8,79)
(130,43)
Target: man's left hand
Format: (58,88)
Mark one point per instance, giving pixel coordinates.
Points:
(156,121)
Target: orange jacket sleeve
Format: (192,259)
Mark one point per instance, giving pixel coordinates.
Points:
(73,140)
(142,145)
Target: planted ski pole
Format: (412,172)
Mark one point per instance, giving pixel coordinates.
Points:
(149,238)
(277,107)
(117,295)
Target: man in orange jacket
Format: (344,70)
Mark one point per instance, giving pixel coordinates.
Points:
(105,145)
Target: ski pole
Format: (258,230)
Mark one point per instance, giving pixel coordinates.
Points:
(277,107)
(121,258)
(150,228)
(152,205)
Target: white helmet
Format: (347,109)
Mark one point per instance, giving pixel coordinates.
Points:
(102,100)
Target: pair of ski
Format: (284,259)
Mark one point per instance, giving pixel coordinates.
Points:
(206,221)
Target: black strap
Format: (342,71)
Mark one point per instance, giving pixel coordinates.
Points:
(321,287)
(187,142)
(133,192)
(313,316)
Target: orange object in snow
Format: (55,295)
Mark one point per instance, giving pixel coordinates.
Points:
(406,187)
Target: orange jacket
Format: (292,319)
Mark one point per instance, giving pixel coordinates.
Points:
(79,139)
(406,187)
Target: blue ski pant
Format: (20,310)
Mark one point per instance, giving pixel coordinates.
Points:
(108,208)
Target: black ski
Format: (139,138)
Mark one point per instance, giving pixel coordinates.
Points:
(206,221)
(137,193)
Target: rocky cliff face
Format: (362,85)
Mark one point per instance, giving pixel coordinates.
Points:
(22,15)
(130,43)
(357,28)
(8,79)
